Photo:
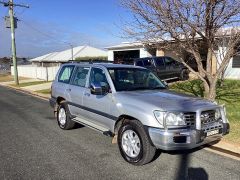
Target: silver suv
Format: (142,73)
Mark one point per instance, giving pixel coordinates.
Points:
(135,107)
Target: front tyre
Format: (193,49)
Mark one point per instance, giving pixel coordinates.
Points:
(134,143)
(63,117)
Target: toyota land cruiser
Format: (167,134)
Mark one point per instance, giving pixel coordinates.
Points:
(136,108)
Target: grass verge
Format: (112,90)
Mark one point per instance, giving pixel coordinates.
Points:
(44,91)
(29,83)
(8,77)
(228,93)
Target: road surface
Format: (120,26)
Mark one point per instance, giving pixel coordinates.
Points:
(32,146)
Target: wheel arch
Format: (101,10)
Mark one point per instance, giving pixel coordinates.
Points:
(120,120)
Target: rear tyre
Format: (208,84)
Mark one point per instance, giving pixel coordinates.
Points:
(134,143)
(184,75)
(63,117)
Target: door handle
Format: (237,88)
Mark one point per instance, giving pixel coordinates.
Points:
(86,94)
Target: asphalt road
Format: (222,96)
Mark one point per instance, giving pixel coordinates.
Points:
(32,146)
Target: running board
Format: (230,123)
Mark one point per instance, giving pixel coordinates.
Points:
(93,126)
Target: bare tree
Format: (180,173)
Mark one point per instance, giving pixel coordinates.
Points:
(191,26)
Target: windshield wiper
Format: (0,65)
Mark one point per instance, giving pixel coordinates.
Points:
(138,88)
(159,87)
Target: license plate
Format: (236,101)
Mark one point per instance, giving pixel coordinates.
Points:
(210,133)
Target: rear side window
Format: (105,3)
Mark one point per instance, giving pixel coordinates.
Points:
(159,62)
(80,76)
(139,63)
(65,74)
(147,62)
(169,61)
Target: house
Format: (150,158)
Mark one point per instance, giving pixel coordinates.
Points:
(57,58)
(46,66)
(129,50)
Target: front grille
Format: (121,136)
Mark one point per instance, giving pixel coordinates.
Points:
(190,119)
(208,121)
(207,117)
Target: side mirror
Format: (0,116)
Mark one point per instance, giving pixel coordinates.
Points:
(97,89)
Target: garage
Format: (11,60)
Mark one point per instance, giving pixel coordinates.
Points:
(125,56)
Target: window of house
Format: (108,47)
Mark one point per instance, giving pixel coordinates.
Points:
(236,62)
(65,74)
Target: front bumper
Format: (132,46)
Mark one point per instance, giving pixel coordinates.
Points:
(178,139)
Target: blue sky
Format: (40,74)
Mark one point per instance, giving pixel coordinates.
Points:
(48,24)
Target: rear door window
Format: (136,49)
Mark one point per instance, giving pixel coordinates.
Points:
(65,74)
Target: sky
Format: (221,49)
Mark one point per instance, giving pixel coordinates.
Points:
(50,25)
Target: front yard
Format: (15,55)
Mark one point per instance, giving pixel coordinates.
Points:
(228,94)
(29,83)
(8,77)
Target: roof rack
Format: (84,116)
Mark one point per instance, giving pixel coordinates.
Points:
(89,61)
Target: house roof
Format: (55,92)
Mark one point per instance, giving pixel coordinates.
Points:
(125,45)
(66,55)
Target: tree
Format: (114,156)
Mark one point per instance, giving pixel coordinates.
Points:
(190,26)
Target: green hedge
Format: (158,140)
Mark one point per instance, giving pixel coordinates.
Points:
(87,58)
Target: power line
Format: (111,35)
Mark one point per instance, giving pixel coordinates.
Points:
(49,36)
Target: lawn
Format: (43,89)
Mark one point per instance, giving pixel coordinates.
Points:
(44,91)
(29,83)
(8,77)
(228,93)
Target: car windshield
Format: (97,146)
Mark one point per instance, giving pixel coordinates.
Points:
(130,79)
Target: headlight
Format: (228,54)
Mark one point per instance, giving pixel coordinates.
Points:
(159,115)
(175,119)
(217,114)
(170,118)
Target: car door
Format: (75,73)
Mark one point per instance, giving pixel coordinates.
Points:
(64,77)
(76,90)
(160,67)
(172,67)
(97,107)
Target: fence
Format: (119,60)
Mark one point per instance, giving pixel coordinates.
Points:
(35,72)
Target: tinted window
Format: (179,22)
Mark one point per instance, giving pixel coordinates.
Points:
(65,74)
(80,76)
(147,62)
(169,61)
(139,63)
(159,61)
(98,76)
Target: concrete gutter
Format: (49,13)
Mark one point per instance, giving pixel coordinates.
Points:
(223,147)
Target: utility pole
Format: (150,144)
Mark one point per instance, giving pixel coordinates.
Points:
(10,5)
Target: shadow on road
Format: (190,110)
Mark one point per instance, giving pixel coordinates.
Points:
(184,172)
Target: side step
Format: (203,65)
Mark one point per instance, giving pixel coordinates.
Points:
(93,126)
